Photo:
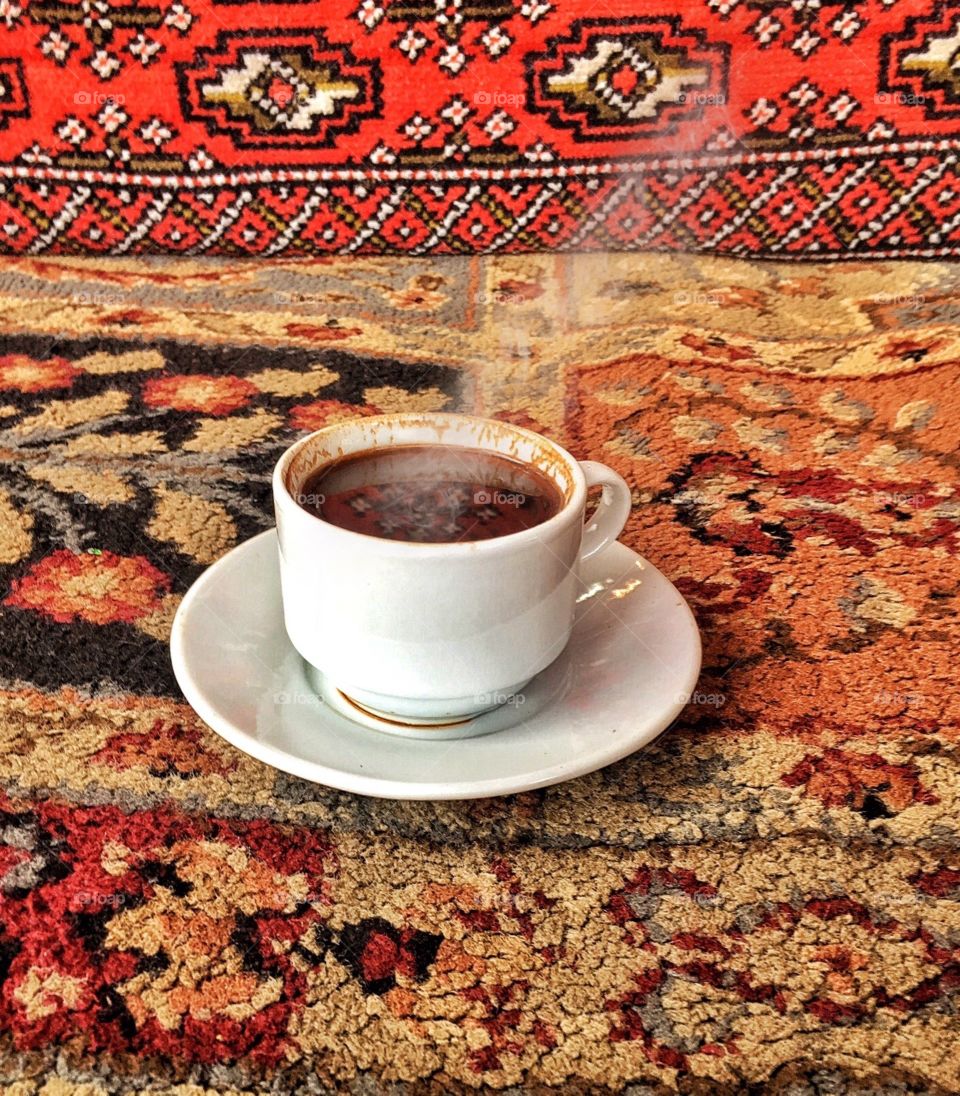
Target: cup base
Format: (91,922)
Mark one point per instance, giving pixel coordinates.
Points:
(403,715)
(387,717)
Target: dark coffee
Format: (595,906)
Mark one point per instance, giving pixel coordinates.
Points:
(431,493)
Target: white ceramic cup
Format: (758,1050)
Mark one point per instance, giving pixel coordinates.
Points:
(433,633)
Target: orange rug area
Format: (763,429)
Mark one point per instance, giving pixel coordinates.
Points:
(767,899)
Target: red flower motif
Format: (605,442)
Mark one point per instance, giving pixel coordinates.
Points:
(98,589)
(199,392)
(942,883)
(376,952)
(716,348)
(169,749)
(845,778)
(311,416)
(380,957)
(107,864)
(513,290)
(320,334)
(26,374)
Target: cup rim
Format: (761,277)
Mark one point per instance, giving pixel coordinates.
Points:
(504,544)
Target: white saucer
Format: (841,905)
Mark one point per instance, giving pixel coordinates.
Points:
(629,668)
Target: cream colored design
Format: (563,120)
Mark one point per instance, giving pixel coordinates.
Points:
(44,992)
(305,94)
(218,435)
(15,531)
(63,414)
(937,60)
(199,527)
(657,78)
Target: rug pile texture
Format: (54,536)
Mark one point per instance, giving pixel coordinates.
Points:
(765,900)
(268,127)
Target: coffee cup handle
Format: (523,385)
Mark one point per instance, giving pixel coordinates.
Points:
(607,521)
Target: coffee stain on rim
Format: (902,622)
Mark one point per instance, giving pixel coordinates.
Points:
(400,722)
(506,438)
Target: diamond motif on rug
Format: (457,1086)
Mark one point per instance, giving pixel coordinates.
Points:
(301,90)
(938,62)
(920,65)
(616,77)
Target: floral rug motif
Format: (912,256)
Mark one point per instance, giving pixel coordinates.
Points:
(767,898)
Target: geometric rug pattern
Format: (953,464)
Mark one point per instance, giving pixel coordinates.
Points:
(267,127)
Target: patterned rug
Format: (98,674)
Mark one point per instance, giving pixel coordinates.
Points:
(750,127)
(765,900)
